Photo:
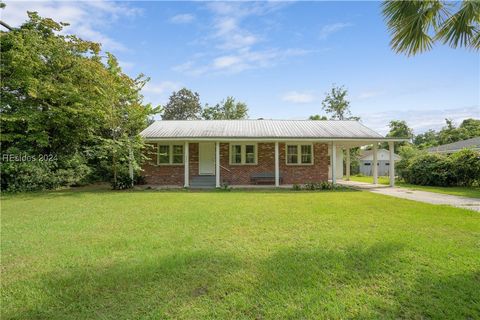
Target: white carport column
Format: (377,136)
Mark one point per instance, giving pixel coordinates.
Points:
(277,165)
(347,164)
(333,162)
(391,168)
(217,164)
(186,162)
(375,163)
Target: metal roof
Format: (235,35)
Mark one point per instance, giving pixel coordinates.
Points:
(473,143)
(255,129)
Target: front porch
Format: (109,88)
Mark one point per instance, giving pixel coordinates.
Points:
(209,164)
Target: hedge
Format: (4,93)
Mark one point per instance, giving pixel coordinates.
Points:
(458,169)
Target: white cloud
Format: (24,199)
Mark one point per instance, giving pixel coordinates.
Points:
(298,97)
(161,87)
(369,94)
(419,120)
(329,29)
(182,18)
(239,61)
(157,93)
(86,18)
(235,46)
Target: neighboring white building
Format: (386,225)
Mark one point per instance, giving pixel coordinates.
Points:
(383,162)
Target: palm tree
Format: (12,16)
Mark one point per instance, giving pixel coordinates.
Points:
(416,25)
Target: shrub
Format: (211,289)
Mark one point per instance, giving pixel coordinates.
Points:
(123,182)
(324,185)
(461,168)
(466,167)
(35,175)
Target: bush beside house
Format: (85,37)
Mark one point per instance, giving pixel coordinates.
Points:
(458,169)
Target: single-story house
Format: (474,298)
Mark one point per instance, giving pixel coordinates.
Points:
(211,153)
(473,143)
(366,161)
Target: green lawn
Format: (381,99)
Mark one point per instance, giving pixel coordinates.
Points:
(248,255)
(472,192)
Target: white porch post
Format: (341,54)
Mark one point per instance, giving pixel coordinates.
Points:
(375,163)
(217,164)
(186,162)
(277,165)
(333,162)
(392,164)
(347,164)
(130,164)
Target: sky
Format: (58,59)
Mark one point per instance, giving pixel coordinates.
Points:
(278,57)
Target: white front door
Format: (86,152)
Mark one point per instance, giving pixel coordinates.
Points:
(206,158)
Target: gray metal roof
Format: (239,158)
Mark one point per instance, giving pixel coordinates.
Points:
(473,143)
(296,129)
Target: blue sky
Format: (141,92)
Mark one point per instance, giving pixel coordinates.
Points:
(278,57)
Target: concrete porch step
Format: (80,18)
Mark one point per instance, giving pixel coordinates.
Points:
(202,182)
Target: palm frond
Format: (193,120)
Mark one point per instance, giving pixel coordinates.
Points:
(462,28)
(410,22)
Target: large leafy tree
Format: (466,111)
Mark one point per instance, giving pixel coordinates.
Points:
(336,104)
(416,25)
(58,97)
(227,109)
(469,128)
(426,139)
(399,129)
(183,105)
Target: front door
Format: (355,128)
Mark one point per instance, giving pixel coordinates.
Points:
(206,158)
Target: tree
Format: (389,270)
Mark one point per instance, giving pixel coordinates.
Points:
(183,105)
(58,98)
(399,129)
(469,128)
(336,104)
(425,140)
(317,117)
(227,109)
(416,25)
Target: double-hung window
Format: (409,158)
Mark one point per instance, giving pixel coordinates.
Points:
(243,153)
(170,154)
(299,154)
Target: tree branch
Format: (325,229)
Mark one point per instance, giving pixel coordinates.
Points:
(6,25)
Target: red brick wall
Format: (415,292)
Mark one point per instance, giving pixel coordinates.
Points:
(316,172)
(240,174)
(161,175)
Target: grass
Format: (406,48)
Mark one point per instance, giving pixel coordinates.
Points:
(246,255)
(471,192)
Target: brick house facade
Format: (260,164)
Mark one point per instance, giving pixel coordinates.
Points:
(211,153)
(240,174)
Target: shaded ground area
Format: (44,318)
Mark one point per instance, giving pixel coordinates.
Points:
(248,255)
(416,195)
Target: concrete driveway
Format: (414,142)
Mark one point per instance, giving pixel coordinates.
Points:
(416,195)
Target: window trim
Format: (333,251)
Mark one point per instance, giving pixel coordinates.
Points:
(243,153)
(170,154)
(299,154)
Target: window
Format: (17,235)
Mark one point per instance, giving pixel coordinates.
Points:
(243,153)
(299,154)
(367,163)
(170,154)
